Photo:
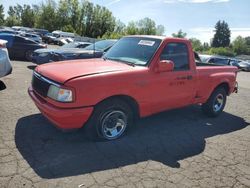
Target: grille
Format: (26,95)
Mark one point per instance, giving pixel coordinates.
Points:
(40,85)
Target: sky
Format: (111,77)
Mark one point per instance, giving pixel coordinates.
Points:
(195,17)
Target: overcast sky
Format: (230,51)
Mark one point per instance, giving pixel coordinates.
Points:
(195,17)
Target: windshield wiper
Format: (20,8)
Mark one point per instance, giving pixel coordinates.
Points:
(119,60)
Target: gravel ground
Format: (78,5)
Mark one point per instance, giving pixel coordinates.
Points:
(178,148)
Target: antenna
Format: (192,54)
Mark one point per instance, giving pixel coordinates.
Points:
(94,48)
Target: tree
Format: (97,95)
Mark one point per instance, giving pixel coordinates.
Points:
(27,16)
(160,30)
(132,28)
(1,14)
(196,44)
(12,18)
(179,34)
(206,46)
(146,26)
(47,16)
(222,35)
(240,45)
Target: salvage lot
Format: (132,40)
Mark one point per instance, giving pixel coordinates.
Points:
(179,148)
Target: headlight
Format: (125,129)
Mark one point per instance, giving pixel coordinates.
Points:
(70,54)
(43,54)
(60,94)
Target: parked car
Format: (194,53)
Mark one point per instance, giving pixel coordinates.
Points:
(7,31)
(242,65)
(92,51)
(5,66)
(20,47)
(215,59)
(31,36)
(67,51)
(139,76)
(41,32)
(61,41)
(50,38)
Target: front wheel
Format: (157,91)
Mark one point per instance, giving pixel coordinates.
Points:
(216,103)
(110,120)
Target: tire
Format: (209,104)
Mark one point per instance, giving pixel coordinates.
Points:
(28,55)
(110,120)
(216,103)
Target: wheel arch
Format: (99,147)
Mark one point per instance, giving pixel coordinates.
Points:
(129,100)
(224,85)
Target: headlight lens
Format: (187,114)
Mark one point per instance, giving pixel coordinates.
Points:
(43,54)
(60,94)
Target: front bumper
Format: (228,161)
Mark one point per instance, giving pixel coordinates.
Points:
(63,118)
(236,88)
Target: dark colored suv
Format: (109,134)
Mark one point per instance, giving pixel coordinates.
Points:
(20,47)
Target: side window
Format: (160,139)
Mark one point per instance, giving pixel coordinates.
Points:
(178,53)
(19,40)
(221,61)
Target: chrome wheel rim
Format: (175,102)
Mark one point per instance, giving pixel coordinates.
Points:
(218,102)
(113,124)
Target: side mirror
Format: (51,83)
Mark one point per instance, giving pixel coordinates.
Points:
(165,66)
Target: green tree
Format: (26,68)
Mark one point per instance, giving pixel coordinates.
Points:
(146,26)
(1,14)
(179,34)
(12,18)
(196,44)
(222,35)
(160,30)
(205,46)
(27,16)
(240,45)
(47,16)
(131,28)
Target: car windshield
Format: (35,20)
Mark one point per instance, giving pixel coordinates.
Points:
(101,45)
(70,45)
(204,58)
(133,50)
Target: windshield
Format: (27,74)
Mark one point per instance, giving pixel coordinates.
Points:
(101,45)
(70,45)
(204,58)
(135,50)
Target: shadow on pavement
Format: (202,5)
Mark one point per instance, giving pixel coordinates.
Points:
(32,67)
(166,137)
(2,86)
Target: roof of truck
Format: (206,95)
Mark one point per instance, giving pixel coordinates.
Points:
(157,37)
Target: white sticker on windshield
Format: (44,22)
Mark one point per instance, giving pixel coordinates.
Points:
(146,42)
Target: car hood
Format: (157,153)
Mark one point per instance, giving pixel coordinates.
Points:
(244,64)
(66,70)
(66,50)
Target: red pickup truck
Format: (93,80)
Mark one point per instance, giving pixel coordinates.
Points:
(137,77)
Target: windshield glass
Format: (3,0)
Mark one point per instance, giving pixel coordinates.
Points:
(135,50)
(101,45)
(70,45)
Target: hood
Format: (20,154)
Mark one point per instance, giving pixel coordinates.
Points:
(67,50)
(244,63)
(67,70)
(44,50)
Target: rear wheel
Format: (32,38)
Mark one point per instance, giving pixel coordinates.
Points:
(110,120)
(28,55)
(216,103)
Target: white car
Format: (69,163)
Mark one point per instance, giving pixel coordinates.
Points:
(5,66)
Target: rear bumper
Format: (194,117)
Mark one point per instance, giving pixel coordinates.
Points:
(62,118)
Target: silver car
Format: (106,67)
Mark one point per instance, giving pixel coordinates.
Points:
(5,66)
